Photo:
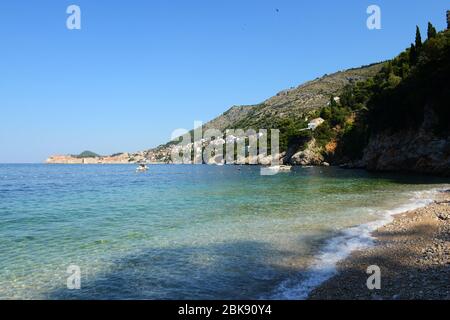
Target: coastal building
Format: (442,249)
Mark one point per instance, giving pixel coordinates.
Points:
(314,123)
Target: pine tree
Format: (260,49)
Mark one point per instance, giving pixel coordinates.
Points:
(431,31)
(418,39)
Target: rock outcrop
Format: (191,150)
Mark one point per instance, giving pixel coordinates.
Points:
(419,151)
(408,151)
(311,155)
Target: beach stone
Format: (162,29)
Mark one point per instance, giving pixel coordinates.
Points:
(443,215)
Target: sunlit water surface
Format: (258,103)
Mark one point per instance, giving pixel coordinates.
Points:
(187,232)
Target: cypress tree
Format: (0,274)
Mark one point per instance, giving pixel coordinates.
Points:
(431,31)
(412,54)
(418,39)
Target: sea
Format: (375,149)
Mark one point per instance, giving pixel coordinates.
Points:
(189,231)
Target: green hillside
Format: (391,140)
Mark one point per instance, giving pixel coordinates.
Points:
(397,106)
(396,98)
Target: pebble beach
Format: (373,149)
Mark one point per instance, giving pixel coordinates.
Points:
(413,254)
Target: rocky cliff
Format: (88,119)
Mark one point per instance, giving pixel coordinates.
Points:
(410,122)
(411,151)
(420,150)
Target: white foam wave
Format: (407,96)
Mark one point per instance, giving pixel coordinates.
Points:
(341,246)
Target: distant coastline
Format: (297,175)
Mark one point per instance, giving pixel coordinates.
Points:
(92,158)
(68,159)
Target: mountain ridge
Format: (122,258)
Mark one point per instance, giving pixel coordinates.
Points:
(389,116)
(306,97)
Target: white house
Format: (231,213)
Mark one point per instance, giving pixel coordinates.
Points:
(314,123)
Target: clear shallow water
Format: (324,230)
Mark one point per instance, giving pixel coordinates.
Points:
(187,232)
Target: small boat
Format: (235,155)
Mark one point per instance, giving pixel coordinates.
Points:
(270,170)
(142,168)
(282,168)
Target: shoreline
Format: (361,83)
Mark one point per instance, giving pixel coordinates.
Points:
(412,252)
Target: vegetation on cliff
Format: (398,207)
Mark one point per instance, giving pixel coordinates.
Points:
(289,111)
(395,99)
(356,103)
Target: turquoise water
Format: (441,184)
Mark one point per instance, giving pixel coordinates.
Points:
(185,232)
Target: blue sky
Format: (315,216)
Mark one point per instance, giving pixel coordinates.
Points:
(137,70)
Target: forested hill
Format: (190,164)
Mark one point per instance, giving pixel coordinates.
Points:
(400,117)
(387,116)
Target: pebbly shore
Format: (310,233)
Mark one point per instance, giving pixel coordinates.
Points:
(413,254)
